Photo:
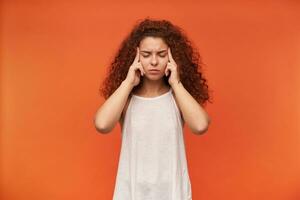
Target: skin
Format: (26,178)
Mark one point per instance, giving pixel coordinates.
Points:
(154,53)
(151,53)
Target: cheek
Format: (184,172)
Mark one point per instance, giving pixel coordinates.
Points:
(164,62)
(144,61)
(163,58)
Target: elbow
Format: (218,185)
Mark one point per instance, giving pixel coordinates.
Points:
(101,128)
(202,129)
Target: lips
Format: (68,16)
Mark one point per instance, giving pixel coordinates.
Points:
(154,72)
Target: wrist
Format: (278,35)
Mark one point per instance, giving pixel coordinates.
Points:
(175,83)
(127,83)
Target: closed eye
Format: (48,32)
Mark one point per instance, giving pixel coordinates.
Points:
(145,56)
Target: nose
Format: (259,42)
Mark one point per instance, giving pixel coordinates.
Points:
(154,60)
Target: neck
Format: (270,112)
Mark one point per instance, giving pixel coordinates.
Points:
(151,87)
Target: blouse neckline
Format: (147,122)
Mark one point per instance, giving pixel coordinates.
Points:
(152,98)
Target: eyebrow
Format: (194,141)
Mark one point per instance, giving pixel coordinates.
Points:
(158,51)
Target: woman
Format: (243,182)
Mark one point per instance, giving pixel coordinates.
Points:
(152,89)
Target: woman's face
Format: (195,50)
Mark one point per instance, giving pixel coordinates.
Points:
(153,56)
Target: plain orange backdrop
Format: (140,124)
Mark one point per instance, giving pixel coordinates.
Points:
(54,56)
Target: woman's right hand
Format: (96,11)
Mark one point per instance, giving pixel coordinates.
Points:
(135,70)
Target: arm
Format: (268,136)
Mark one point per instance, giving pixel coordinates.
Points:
(110,112)
(194,115)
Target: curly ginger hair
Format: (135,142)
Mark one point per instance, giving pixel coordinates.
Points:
(184,53)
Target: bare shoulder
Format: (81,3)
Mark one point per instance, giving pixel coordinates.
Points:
(121,120)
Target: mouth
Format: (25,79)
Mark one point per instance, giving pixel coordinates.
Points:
(154,71)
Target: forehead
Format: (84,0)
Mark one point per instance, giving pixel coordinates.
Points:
(153,44)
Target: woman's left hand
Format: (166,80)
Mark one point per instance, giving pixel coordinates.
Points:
(172,68)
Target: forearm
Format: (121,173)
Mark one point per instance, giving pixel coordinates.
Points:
(109,113)
(193,113)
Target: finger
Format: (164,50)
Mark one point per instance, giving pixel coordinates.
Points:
(171,60)
(143,70)
(137,56)
(140,67)
(167,71)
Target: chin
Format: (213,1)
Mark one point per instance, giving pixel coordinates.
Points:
(154,78)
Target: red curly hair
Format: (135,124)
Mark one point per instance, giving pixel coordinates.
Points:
(184,53)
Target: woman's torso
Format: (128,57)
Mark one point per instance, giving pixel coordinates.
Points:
(152,161)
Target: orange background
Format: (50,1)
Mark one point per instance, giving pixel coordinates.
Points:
(54,55)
